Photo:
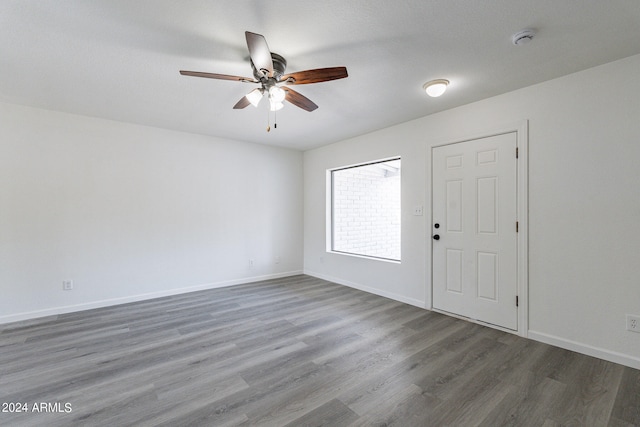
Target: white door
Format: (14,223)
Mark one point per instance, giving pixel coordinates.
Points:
(474,229)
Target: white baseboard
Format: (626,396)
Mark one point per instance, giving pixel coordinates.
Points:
(54,311)
(600,353)
(361,287)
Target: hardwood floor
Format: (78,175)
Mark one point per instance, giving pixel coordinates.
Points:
(298,351)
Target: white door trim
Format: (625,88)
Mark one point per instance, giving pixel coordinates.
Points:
(522,134)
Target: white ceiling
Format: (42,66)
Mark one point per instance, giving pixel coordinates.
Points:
(119,59)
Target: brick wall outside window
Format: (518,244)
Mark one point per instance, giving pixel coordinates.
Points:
(366,210)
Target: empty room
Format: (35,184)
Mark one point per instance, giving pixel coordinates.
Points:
(338,213)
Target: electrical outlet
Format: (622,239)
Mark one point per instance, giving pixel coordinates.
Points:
(277,261)
(251,263)
(67,285)
(633,323)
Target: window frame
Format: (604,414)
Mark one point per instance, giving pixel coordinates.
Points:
(330,207)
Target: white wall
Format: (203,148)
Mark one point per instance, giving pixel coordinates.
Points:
(130,212)
(584,209)
(405,281)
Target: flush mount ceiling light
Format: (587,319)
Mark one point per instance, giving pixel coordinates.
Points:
(435,88)
(523,36)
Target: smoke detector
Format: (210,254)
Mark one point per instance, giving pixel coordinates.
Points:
(523,36)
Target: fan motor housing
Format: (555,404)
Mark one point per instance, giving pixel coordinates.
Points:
(279,65)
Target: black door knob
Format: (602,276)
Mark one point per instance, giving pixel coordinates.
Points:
(436,237)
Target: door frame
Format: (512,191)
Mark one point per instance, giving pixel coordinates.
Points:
(522,200)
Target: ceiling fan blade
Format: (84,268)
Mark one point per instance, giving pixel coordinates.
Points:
(244,102)
(259,52)
(299,100)
(217,76)
(315,76)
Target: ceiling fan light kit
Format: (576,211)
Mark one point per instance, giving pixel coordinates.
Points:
(255,96)
(269,71)
(276,94)
(435,88)
(275,106)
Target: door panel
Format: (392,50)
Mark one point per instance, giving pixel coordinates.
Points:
(487,205)
(487,271)
(454,270)
(454,206)
(474,205)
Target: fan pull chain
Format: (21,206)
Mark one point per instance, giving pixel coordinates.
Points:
(275,118)
(268,121)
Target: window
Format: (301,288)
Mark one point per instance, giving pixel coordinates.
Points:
(365,209)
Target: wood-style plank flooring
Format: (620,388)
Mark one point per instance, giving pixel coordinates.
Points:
(297,351)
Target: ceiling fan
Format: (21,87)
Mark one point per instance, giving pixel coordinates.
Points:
(268,71)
